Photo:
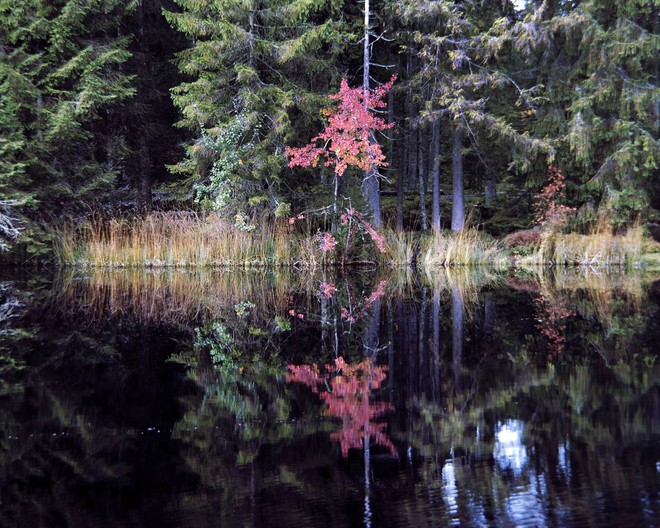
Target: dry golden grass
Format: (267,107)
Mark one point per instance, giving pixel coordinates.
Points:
(602,248)
(187,240)
(468,247)
(182,240)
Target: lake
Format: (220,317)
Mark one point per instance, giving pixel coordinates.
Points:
(370,399)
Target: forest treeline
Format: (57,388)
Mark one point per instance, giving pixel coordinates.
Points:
(113,106)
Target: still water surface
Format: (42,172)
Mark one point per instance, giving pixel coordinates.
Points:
(231,399)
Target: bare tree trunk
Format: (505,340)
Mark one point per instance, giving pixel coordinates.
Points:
(421,176)
(144,195)
(400,182)
(370,184)
(435,222)
(491,192)
(412,150)
(457,198)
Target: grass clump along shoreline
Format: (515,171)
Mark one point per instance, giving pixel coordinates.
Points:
(190,240)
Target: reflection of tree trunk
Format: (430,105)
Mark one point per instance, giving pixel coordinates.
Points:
(367,479)
(390,348)
(489,317)
(457,318)
(457,193)
(371,339)
(435,222)
(435,352)
(422,337)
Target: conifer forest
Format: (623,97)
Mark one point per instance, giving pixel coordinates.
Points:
(510,118)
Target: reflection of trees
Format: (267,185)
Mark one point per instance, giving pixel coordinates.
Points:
(524,441)
(75,448)
(552,316)
(348,388)
(488,430)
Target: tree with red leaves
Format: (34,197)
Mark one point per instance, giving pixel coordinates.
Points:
(347,140)
(551,214)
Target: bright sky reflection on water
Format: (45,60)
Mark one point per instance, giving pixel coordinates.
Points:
(510,451)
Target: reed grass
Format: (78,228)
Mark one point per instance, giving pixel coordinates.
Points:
(602,248)
(188,240)
(182,240)
(401,248)
(468,247)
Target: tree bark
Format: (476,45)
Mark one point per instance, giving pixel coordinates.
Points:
(491,192)
(370,184)
(146,180)
(457,198)
(435,221)
(400,182)
(421,176)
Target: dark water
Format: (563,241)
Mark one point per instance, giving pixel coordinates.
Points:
(226,399)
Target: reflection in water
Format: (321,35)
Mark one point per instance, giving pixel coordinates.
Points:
(510,452)
(346,390)
(167,400)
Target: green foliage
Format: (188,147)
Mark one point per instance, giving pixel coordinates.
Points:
(604,73)
(248,70)
(229,179)
(60,75)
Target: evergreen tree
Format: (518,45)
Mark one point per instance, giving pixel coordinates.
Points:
(466,80)
(60,77)
(255,69)
(601,76)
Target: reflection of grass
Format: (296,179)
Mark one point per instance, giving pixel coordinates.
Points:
(612,302)
(466,282)
(170,295)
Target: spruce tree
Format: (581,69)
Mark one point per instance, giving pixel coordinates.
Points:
(60,78)
(255,71)
(601,77)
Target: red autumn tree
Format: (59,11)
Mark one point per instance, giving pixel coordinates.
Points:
(551,214)
(347,139)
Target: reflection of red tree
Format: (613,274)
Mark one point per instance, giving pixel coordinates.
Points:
(358,313)
(553,314)
(347,397)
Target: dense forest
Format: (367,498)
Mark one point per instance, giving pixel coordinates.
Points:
(115,107)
